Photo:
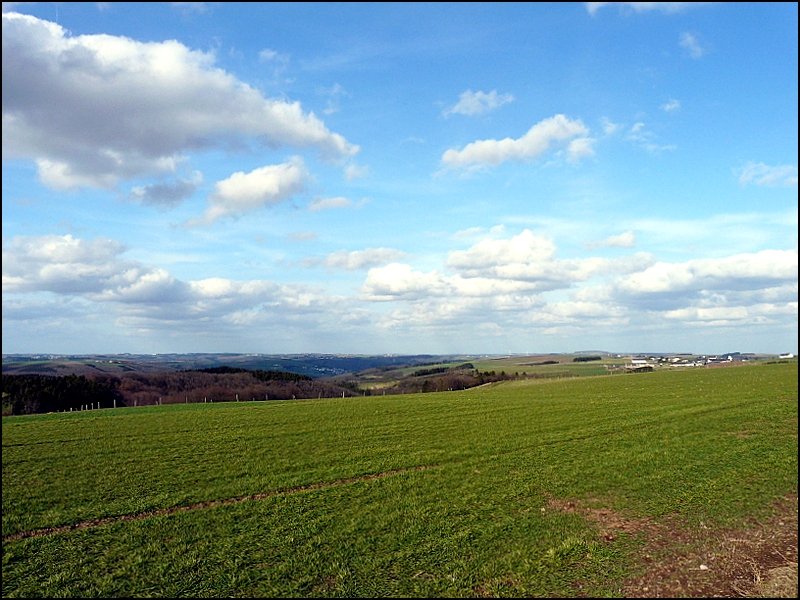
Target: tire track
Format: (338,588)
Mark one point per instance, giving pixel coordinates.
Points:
(160,512)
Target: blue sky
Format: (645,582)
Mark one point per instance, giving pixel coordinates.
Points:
(399,178)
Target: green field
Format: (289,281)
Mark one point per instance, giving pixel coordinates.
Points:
(559,365)
(446,494)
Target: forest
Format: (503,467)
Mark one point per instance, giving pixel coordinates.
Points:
(27,394)
(33,393)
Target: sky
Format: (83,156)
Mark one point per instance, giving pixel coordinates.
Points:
(399,178)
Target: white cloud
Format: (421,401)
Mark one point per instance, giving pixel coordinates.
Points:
(626,239)
(116,108)
(93,269)
(640,7)
(518,282)
(580,148)
(761,174)
(397,280)
(57,263)
(245,192)
(671,105)
(524,248)
(477,103)
(361,259)
(143,285)
(141,296)
(329,203)
(690,43)
(757,270)
(538,139)
(503,287)
(531,258)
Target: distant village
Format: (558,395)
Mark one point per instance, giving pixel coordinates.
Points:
(642,363)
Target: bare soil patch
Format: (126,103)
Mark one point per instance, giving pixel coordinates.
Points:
(756,561)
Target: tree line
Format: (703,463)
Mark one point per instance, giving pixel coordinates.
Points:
(28,394)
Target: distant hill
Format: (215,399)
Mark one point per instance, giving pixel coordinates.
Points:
(311,365)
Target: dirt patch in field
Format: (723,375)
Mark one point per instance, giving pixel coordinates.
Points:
(609,522)
(756,561)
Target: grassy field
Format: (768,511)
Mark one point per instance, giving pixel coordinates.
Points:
(558,365)
(565,366)
(452,494)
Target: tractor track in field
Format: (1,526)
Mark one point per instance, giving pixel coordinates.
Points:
(161,512)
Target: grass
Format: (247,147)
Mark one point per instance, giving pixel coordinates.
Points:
(565,367)
(709,445)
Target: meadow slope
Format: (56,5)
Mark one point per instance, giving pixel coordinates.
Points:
(492,491)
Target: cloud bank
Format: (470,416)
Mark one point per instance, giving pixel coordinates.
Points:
(92,110)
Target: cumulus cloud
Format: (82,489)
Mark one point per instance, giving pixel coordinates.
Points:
(691,44)
(94,269)
(580,148)
(92,110)
(672,285)
(538,140)
(361,259)
(95,272)
(761,174)
(501,286)
(519,282)
(524,248)
(528,257)
(167,194)
(512,270)
(329,203)
(477,103)
(245,192)
(397,280)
